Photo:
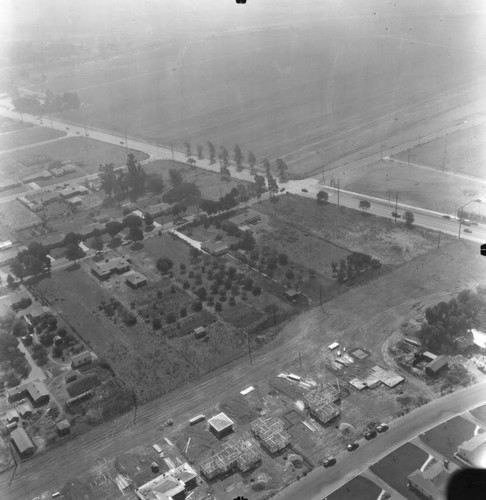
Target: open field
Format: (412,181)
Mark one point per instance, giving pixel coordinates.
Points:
(209,183)
(8,125)
(86,153)
(460,152)
(396,466)
(359,487)
(355,88)
(19,138)
(446,437)
(15,216)
(427,188)
(336,231)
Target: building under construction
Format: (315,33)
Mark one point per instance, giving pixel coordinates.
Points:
(240,454)
(321,403)
(271,434)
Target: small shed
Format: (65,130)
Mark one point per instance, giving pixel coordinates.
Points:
(75,201)
(200,332)
(291,294)
(24,410)
(81,359)
(221,425)
(12,416)
(63,427)
(436,366)
(135,279)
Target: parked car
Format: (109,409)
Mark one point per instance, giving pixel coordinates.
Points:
(448,217)
(382,428)
(370,434)
(328,462)
(282,190)
(352,446)
(467,230)
(474,223)
(304,190)
(466,222)
(396,214)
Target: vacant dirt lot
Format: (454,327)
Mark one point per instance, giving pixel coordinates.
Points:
(335,231)
(87,153)
(28,136)
(461,152)
(427,188)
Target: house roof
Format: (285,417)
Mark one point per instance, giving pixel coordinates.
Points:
(63,424)
(220,422)
(36,390)
(215,246)
(135,278)
(438,363)
(81,357)
(432,481)
(245,218)
(291,292)
(21,440)
(158,209)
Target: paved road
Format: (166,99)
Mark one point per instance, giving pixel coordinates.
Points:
(322,482)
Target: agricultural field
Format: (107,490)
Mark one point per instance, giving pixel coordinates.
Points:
(396,466)
(88,154)
(14,216)
(185,98)
(32,135)
(422,187)
(446,437)
(461,152)
(334,232)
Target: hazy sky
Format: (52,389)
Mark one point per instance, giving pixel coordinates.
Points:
(26,19)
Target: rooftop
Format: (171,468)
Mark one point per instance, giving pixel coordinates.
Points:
(135,278)
(433,481)
(246,218)
(438,363)
(21,439)
(220,422)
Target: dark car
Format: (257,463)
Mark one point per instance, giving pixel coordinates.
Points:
(448,217)
(474,223)
(328,462)
(370,435)
(466,230)
(396,214)
(304,190)
(352,446)
(382,428)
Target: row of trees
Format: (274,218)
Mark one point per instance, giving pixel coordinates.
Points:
(53,103)
(238,157)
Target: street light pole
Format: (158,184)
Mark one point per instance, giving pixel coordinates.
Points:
(459,215)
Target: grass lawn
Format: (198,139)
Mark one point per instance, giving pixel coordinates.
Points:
(19,138)
(480,413)
(336,231)
(9,125)
(446,437)
(396,466)
(86,153)
(16,216)
(359,487)
(462,151)
(416,186)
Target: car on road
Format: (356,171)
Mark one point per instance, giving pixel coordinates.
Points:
(382,428)
(328,462)
(121,142)
(467,230)
(78,133)
(465,222)
(448,217)
(396,214)
(352,446)
(282,190)
(370,434)
(304,190)
(474,223)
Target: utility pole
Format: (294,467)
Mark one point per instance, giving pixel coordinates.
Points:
(438,243)
(135,402)
(300,360)
(388,196)
(172,151)
(126,141)
(249,346)
(459,233)
(338,193)
(396,207)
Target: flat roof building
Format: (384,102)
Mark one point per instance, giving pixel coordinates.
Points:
(38,176)
(159,209)
(75,201)
(200,332)
(22,442)
(246,218)
(63,427)
(291,294)
(215,247)
(74,190)
(221,425)
(103,270)
(81,359)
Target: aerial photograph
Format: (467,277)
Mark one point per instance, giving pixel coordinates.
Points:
(242,249)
